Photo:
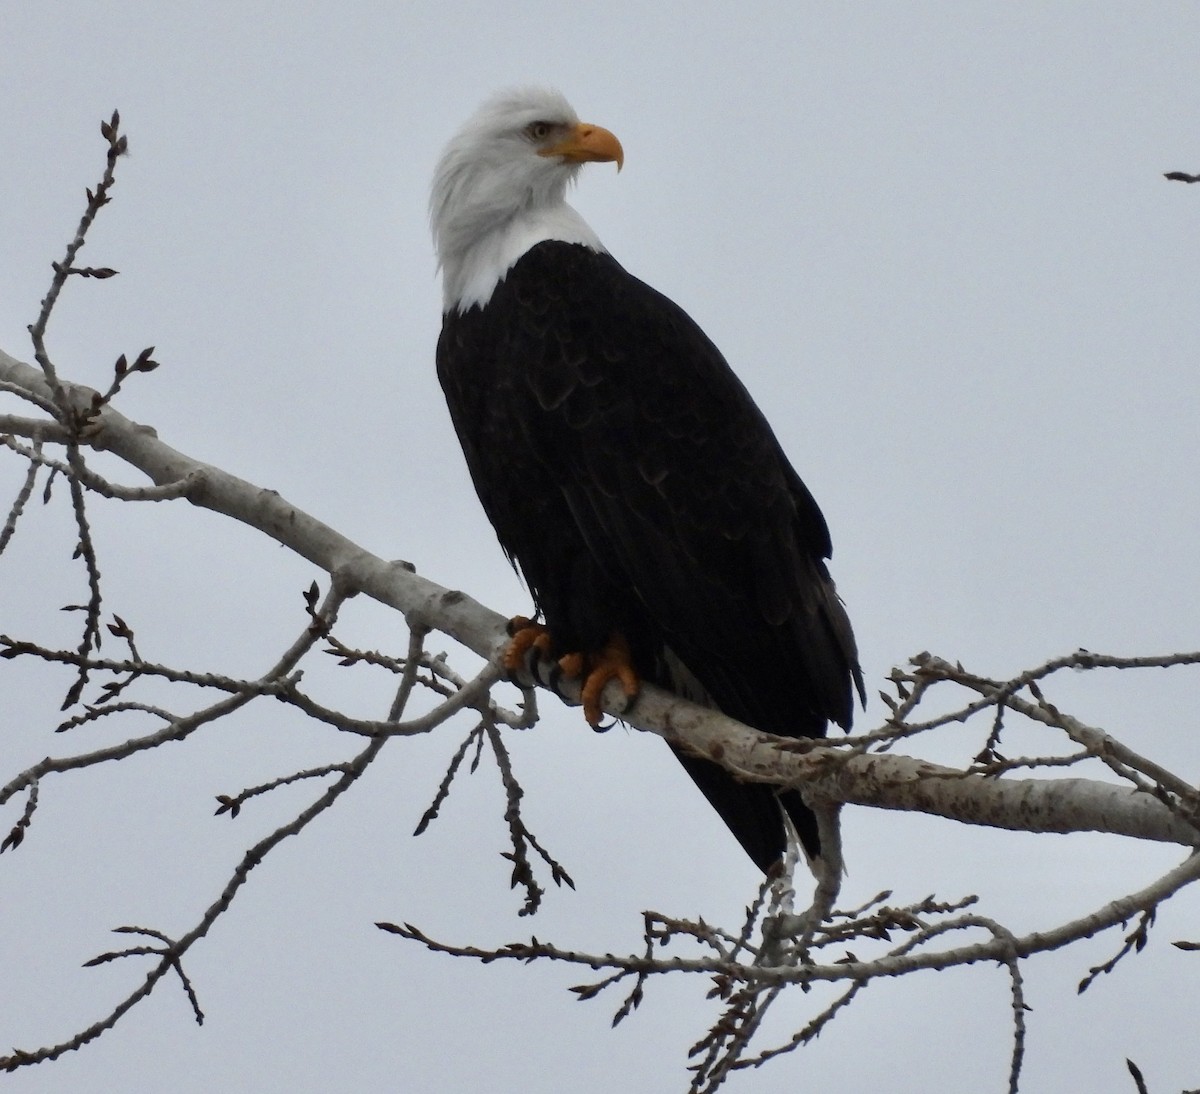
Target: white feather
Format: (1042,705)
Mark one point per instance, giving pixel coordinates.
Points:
(494,197)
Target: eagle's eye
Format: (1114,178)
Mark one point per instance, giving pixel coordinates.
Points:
(538,131)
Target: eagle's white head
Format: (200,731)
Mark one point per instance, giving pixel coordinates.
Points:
(500,187)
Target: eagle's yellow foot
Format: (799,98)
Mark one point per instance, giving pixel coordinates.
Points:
(526,635)
(594,670)
(611,663)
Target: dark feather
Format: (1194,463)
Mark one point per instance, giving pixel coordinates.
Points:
(630,476)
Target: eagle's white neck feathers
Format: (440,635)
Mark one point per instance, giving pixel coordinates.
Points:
(494,197)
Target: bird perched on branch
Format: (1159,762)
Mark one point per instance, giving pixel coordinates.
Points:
(628,474)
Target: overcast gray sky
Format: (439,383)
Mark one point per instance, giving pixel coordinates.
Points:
(935,242)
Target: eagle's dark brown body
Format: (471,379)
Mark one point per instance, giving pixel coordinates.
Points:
(630,476)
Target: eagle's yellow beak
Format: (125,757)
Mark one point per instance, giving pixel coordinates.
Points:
(588,144)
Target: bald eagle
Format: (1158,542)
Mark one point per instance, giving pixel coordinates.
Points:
(627,472)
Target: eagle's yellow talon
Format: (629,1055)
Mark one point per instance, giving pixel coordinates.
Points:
(612,663)
(571,665)
(595,670)
(526,635)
